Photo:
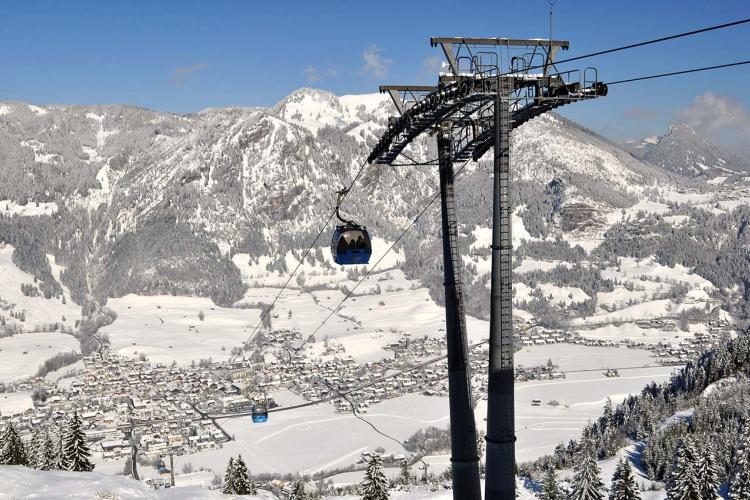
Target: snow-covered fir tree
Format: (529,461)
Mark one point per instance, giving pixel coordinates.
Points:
(298,491)
(587,485)
(406,477)
(60,451)
(242,483)
(48,455)
(13,451)
(682,483)
(76,450)
(36,448)
(739,485)
(550,489)
(623,483)
(228,486)
(708,474)
(374,485)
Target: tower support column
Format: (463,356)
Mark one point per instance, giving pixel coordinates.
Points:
(500,483)
(464,456)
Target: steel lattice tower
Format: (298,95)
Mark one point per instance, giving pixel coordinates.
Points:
(473,108)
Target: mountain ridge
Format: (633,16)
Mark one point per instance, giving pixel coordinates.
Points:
(681,150)
(136,183)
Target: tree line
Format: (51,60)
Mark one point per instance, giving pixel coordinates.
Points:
(69,451)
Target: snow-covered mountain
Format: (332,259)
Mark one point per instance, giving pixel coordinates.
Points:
(147,202)
(683,151)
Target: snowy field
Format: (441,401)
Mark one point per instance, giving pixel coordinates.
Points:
(364,323)
(581,397)
(15,402)
(37,310)
(315,438)
(167,328)
(21,355)
(573,357)
(8,207)
(23,483)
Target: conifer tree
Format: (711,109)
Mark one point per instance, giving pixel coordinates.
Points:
(406,477)
(76,451)
(623,483)
(60,451)
(13,451)
(48,459)
(708,474)
(36,449)
(298,491)
(241,481)
(229,474)
(374,485)
(739,485)
(550,489)
(587,485)
(682,483)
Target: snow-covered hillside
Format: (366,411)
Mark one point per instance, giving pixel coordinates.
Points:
(193,188)
(24,483)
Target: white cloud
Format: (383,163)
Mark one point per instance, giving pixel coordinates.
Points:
(375,64)
(715,114)
(181,73)
(721,119)
(315,74)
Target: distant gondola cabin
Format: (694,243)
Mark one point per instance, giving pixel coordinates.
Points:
(260,414)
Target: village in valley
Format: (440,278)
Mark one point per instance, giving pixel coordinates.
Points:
(132,408)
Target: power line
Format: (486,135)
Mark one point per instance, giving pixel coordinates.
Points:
(682,72)
(299,264)
(355,412)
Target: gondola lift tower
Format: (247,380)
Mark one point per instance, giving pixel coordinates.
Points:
(473,108)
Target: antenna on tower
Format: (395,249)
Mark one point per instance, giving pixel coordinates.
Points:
(551,5)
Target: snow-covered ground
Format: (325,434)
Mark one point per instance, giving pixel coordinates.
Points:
(383,307)
(23,483)
(15,402)
(167,328)
(32,209)
(21,355)
(643,292)
(529,265)
(37,310)
(315,438)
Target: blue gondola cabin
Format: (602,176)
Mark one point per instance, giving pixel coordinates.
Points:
(351,245)
(260,414)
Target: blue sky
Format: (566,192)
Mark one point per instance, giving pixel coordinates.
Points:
(188,55)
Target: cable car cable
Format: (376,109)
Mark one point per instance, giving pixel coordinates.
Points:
(641,44)
(372,267)
(300,263)
(675,73)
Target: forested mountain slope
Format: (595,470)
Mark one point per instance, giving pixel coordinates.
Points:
(135,201)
